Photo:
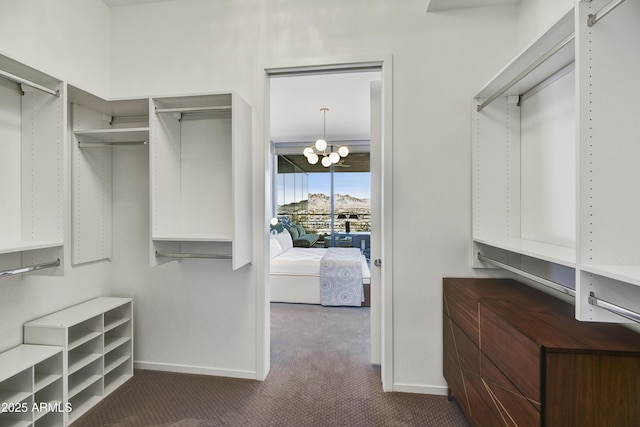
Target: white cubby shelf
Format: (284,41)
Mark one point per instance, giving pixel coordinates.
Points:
(555,151)
(97,339)
(32,386)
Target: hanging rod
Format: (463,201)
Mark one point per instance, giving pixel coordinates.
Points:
(527,71)
(20,80)
(191,109)
(592,18)
(111,144)
(30,268)
(187,255)
(548,283)
(616,309)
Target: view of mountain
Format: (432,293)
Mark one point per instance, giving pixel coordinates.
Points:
(320,203)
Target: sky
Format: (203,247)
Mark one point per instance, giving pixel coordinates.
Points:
(356,184)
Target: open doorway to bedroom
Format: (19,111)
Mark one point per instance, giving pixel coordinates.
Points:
(322,206)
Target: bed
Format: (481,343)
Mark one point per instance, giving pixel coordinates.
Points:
(296,273)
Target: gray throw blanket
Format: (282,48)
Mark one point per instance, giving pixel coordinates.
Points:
(341,277)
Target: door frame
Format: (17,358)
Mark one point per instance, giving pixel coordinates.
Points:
(262,184)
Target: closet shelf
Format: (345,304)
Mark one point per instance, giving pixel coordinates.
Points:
(556,254)
(623,273)
(12,247)
(123,136)
(560,32)
(193,237)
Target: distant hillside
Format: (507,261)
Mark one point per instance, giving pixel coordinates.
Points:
(320,203)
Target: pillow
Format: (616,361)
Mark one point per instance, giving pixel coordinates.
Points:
(274,246)
(285,241)
(301,230)
(293,230)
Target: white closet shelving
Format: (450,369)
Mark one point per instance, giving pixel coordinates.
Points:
(555,150)
(31,166)
(31,386)
(201,176)
(98,126)
(97,338)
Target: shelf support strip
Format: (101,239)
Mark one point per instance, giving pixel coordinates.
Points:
(526,71)
(613,308)
(548,283)
(29,268)
(592,18)
(187,255)
(20,80)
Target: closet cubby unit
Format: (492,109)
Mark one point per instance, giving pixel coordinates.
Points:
(32,386)
(200,161)
(97,339)
(32,106)
(555,152)
(98,127)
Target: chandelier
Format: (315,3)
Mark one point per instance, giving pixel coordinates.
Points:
(330,157)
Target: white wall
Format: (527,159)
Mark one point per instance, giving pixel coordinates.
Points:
(69,40)
(440,60)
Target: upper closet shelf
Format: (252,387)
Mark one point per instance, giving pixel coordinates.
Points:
(194,237)
(556,254)
(124,136)
(11,247)
(549,54)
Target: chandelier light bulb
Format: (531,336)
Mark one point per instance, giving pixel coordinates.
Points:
(343,151)
(321,145)
(326,162)
(308,151)
(312,158)
(334,157)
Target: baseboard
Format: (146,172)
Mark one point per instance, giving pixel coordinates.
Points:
(421,389)
(200,370)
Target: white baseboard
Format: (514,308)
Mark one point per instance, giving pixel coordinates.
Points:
(421,389)
(200,370)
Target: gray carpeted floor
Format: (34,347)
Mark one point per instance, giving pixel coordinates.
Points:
(320,376)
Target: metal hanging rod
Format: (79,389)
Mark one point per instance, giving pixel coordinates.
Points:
(30,268)
(527,71)
(111,144)
(193,109)
(592,18)
(613,308)
(187,255)
(20,80)
(548,283)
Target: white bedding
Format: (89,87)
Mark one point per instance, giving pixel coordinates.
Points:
(306,262)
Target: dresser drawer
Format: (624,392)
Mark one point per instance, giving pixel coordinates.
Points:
(462,308)
(517,356)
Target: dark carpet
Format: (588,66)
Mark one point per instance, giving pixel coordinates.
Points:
(320,376)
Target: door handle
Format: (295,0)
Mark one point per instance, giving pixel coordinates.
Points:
(377,262)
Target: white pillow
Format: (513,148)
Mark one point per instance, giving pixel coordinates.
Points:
(285,240)
(274,246)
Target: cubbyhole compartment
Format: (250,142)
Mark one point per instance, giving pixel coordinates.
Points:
(84,332)
(47,372)
(85,399)
(17,413)
(117,377)
(117,357)
(116,317)
(48,400)
(116,337)
(86,379)
(17,387)
(84,355)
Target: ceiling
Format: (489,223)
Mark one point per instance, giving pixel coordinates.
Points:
(119,3)
(439,5)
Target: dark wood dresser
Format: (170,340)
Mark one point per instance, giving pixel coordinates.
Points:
(514,356)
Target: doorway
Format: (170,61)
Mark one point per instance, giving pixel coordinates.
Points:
(381,327)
